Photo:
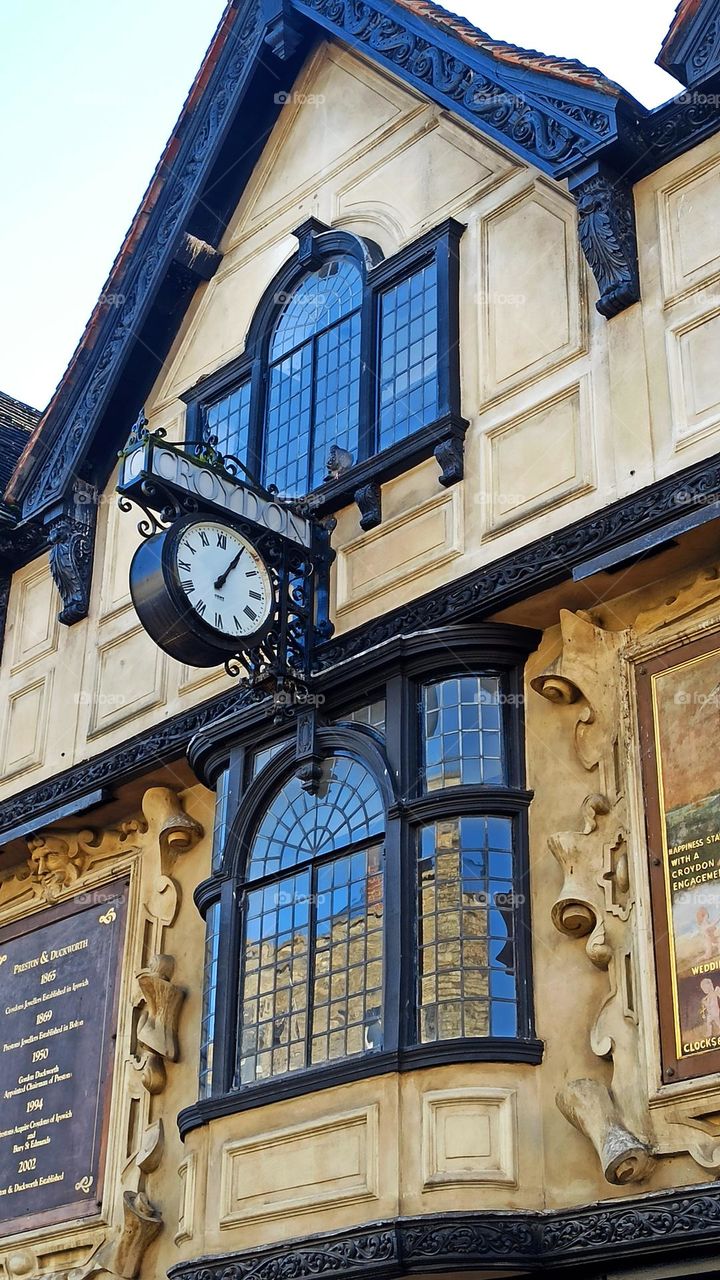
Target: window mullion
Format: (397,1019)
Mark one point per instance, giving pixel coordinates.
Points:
(310,991)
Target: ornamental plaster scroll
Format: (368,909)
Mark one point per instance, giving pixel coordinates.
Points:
(596,903)
(62,863)
(582,677)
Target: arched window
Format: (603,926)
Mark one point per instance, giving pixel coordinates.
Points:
(350,372)
(314,377)
(311,964)
(379,920)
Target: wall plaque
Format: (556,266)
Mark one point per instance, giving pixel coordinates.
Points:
(59,982)
(679,705)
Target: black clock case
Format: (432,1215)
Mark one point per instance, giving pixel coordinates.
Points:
(163,607)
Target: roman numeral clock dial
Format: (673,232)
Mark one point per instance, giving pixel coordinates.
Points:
(223,578)
(202,591)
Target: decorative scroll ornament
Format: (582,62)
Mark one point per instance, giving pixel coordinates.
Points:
(608,237)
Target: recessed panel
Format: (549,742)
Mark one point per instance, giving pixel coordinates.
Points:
(129,679)
(36,615)
(469,1136)
(529,292)
(693,359)
(25,738)
(689,218)
(307,1167)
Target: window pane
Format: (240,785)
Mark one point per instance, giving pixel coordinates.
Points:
(371,713)
(320,299)
(287,424)
(297,826)
(220,828)
(337,394)
(229,419)
(462,732)
(348,976)
(264,756)
(466,929)
(408,356)
(273,1000)
(207,1025)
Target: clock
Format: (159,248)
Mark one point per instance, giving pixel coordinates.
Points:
(202,591)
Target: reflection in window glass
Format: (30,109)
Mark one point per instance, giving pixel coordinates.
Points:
(264,756)
(408,356)
(207,1025)
(466,930)
(298,826)
(311,986)
(220,829)
(462,735)
(371,713)
(229,420)
(314,377)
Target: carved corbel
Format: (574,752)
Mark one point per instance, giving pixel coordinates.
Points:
(157,1025)
(608,235)
(168,823)
(590,1107)
(71,533)
(141,1224)
(576,911)
(368,499)
(585,675)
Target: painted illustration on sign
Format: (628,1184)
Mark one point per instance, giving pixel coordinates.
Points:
(686,707)
(58,977)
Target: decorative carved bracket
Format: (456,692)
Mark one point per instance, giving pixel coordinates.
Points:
(368,499)
(157,1026)
(608,236)
(589,1106)
(71,533)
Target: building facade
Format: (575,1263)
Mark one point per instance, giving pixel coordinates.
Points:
(407,963)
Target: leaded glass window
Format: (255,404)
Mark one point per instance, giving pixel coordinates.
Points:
(462,732)
(314,377)
(466,929)
(312,951)
(348,355)
(408,356)
(228,421)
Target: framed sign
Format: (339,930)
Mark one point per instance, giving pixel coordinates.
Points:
(679,710)
(59,981)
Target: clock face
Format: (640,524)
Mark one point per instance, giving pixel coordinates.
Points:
(223,578)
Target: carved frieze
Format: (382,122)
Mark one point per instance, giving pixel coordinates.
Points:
(71,534)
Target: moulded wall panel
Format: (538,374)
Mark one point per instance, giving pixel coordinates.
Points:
(469,1136)
(25,742)
(34,611)
(689,216)
(336,111)
(540,458)
(194,678)
(531,297)
(693,363)
(307,1167)
(121,540)
(402,549)
(129,678)
(427,177)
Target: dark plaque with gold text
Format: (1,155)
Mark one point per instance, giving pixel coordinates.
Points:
(59,980)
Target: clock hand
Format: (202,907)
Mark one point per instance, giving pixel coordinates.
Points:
(220,582)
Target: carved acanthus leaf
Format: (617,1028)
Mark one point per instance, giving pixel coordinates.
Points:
(590,1107)
(157,1024)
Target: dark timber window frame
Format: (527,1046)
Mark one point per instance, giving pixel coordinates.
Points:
(443,437)
(395,759)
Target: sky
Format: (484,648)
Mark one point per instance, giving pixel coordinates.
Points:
(89,92)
